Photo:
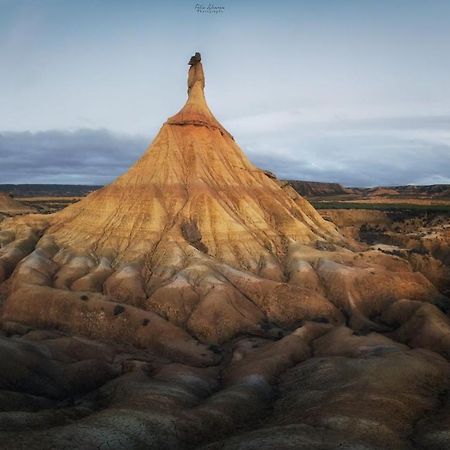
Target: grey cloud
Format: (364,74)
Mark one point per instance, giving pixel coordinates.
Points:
(359,161)
(380,156)
(80,157)
(355,152)
(332,121)
(393,123)
(434,122)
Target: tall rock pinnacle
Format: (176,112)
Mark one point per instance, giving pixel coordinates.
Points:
(195,72)
(196,110)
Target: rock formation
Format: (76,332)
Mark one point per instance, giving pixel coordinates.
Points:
(212,281)
(317,188)
(172,234)
(10,206)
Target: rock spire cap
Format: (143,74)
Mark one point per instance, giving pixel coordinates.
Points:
(195,59)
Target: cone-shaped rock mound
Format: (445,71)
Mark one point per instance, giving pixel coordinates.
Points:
(194,245)
(192,189)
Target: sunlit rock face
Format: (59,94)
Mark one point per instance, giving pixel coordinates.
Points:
(224,304)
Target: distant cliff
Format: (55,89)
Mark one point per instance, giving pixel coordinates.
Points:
(306,188)
(317,188)
(430,191)
(50,190)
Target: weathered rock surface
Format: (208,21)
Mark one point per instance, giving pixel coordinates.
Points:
(421,238)
(319,387)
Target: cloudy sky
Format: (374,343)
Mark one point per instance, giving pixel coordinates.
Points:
(353,91)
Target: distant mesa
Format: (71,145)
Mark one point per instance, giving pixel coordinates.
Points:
(317,188)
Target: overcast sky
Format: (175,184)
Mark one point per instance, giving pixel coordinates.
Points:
(353,91)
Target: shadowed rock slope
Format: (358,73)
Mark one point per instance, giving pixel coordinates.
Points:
(317,188)
(218,309)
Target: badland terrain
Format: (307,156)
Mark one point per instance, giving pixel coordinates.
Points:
(199,302)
